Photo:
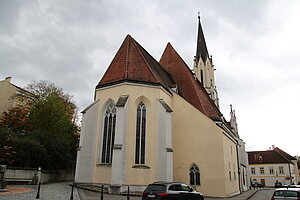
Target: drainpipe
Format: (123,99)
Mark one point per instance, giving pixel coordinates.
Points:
(238,161)
(290,173)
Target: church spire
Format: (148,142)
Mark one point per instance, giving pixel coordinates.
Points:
(203,66)
(201,44)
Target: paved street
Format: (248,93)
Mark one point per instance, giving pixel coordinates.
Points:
(264,194)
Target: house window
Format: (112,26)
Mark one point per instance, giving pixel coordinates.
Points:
(234,175)
(281,170)
(271,170)
(194,175)
(230,175)
(140,134)
(262,170)
(108,133)
(252,170)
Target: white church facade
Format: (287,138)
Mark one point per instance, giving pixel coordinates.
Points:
(160,121)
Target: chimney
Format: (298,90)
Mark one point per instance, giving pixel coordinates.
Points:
(273,147)
(8,79)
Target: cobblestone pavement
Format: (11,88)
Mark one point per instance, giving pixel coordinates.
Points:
(89,195)
(53,191)
(60,191)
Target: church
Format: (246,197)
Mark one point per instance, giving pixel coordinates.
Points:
(160,121)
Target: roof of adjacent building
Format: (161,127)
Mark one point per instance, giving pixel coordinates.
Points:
(133,63)
(271,156)
(188,87)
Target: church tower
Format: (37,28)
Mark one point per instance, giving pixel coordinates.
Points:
(204,68)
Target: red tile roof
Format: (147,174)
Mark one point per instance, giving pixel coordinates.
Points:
(271,156)
(133,63)
(189,88)
(283,153)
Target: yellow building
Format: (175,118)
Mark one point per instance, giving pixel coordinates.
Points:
(159,121)
(11,95)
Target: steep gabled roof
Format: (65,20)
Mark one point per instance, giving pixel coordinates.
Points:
(133,63)
(189,88)
(265,157)
(283,153)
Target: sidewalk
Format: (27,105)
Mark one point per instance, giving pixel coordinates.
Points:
(244,196)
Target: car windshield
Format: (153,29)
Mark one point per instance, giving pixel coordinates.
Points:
(279,193)
(156,188)
(185,188)
(291,194)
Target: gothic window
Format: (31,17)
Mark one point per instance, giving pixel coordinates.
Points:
(109,126)
(140,134)
(194,175)
(201,76)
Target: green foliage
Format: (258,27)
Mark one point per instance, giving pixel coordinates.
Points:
(44,135)
(6,149)
(50,115)
(42,149)
(16,119)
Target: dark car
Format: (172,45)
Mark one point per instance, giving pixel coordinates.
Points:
(286,193)
(170,191)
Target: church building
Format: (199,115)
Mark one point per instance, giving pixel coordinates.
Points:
(160,121)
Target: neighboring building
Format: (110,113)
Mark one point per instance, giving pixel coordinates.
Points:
(12,95)
(273,165)
(298,181)
(158,121)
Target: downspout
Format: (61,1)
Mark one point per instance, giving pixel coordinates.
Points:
(290,173)
(238,161)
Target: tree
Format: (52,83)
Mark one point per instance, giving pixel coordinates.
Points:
(43,89)
(6,150)
(44,133)
(50,115)
(16,119)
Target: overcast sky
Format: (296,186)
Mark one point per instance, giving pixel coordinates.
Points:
(255,47)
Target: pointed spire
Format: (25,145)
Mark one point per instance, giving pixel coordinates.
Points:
(201,44)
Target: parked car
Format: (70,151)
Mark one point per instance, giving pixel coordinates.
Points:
(286,193)
(170,191)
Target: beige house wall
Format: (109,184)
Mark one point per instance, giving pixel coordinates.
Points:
(7,90)
(197,139)
(134,175)
(270,178)
(231,165)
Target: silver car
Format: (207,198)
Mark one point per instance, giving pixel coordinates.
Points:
(286,193)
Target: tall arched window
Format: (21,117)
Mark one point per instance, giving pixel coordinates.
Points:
(109,126)
(140,134)
(201,77)
(194,175)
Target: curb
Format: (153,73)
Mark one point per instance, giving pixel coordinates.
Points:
(252,194)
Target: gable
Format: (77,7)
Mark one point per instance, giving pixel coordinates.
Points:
(188,87)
